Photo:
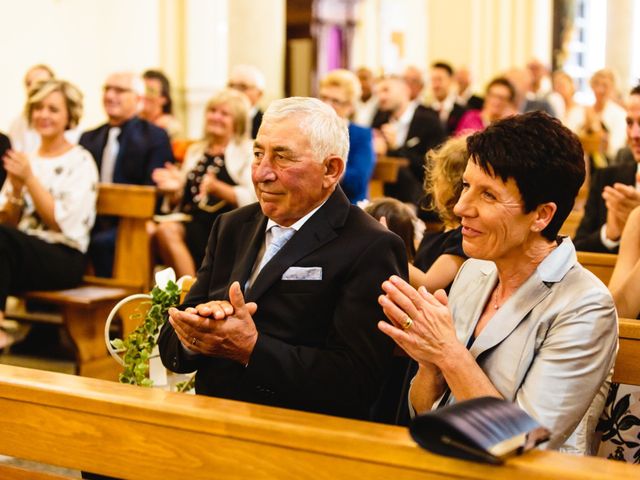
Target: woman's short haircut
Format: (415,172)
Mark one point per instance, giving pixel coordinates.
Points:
(327,133)
(400,220)
(72,99)
(239,105)
(165,88)
(346,80)
(544,158)
(443,180)
(503,81)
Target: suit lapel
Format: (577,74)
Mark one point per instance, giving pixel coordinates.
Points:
(509,316)
(251,238)
(100,144)
(316,232)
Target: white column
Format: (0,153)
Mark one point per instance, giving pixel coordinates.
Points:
(619,52)
(205,57)
(257,35)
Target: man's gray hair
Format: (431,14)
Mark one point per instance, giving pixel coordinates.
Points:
(248,73)
(327,133)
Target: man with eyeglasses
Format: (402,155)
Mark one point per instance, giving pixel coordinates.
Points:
(250,81)
(614,193)
(126,149)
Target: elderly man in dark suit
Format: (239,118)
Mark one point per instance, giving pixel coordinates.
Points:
(614,193)
(404,129)
(284,308)
(126,149)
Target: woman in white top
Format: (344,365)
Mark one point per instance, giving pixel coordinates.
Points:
(47,203)
(572,114)
(215,178)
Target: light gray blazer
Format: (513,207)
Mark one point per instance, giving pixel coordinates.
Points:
(550,347)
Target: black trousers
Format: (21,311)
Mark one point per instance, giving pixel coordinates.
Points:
(28,263)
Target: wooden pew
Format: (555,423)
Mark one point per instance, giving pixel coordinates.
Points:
(571,224)
(600,264)
(627,367)
(385,171)
(131,432)
(83,310)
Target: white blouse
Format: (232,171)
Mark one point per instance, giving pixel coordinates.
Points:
(72,179)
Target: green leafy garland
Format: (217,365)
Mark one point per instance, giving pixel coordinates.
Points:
(139,344)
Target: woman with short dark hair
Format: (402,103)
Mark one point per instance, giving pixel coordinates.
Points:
(524,320)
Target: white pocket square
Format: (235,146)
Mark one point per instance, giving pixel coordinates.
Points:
(412,142)
(303,273)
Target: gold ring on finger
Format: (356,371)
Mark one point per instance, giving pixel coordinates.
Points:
(406,325)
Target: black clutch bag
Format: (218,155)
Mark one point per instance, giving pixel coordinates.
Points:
(485,429)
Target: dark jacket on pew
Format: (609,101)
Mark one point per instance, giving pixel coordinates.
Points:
(318,345)
(595,212)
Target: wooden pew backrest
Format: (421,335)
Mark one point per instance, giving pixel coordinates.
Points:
(600,264)
(134,205)
(627,366)
(122,430)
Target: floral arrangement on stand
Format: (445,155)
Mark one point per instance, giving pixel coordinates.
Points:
(138,352)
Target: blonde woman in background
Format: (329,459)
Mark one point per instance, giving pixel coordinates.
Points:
(606,112)
(572,114)
(215,177)
(440,253)
(48,201)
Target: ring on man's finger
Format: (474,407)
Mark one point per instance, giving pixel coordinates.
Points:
(194,340)
(406,325)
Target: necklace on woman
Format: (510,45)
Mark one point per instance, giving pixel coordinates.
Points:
(495,298)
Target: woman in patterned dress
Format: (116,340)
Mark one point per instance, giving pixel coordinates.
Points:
(215,178)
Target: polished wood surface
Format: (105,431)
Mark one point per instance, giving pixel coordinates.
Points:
(385,171)
(571,224)
(627,367)
(11,472)
(133,432)
(600,264)
(134,205)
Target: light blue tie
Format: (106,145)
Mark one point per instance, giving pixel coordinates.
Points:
(279,236)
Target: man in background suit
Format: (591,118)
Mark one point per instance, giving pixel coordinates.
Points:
(614,192)
(250,81)
(404,129)
(444,97)
(294,327)
(126,149)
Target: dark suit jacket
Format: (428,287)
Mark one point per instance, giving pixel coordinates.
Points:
(454,118)
(256,121)
(425,132)
(318,347)
(143,148)
(595,212)
(475,103)
(5,144)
